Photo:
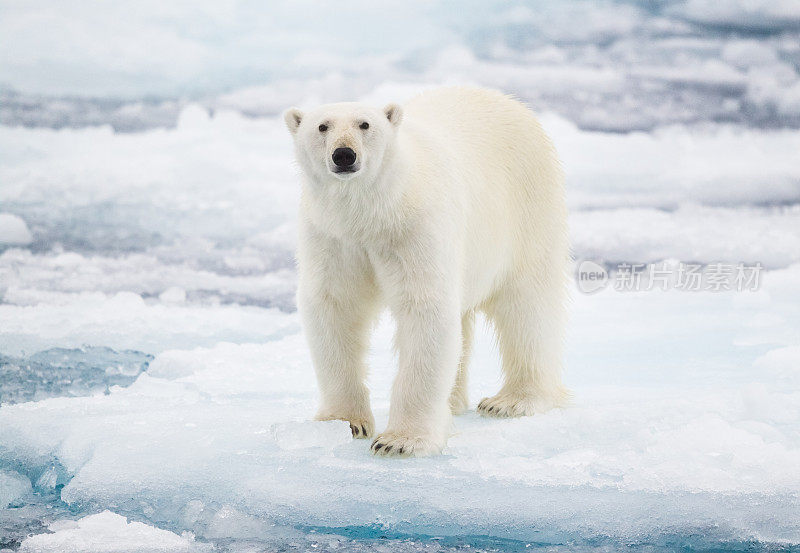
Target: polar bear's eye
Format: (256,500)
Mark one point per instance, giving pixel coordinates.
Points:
(323,127)
(364,125)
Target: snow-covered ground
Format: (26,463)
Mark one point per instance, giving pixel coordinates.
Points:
(155,386)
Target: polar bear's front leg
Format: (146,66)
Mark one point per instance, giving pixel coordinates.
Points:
(337,300)
(428,342)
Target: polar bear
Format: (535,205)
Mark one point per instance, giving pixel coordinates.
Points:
(451,204)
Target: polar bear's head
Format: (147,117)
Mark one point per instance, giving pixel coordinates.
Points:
(343,141)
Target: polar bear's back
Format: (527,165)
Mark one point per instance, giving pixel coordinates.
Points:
(465,107)
(501,165)
(489,137)
(477,119)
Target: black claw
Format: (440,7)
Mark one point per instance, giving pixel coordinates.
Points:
(378,448)
(363,430)
(353,430)
(388,449)
(401,450)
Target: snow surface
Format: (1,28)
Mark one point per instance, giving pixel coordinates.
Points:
(154,380)
(661,442)
(105,532)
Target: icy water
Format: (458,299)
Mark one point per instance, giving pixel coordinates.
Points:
(68,372)
(155,386)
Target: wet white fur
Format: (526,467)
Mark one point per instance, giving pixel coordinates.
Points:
(458,207)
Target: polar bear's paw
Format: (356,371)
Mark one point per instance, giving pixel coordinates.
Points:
(360,427)
(390,444)
(507,405)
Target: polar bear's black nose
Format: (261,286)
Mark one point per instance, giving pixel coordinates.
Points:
(344,157)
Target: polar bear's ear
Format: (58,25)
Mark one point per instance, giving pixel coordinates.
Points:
(293,116)
(394,114)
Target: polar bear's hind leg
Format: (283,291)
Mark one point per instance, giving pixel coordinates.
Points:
(528,317)
(459,399)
